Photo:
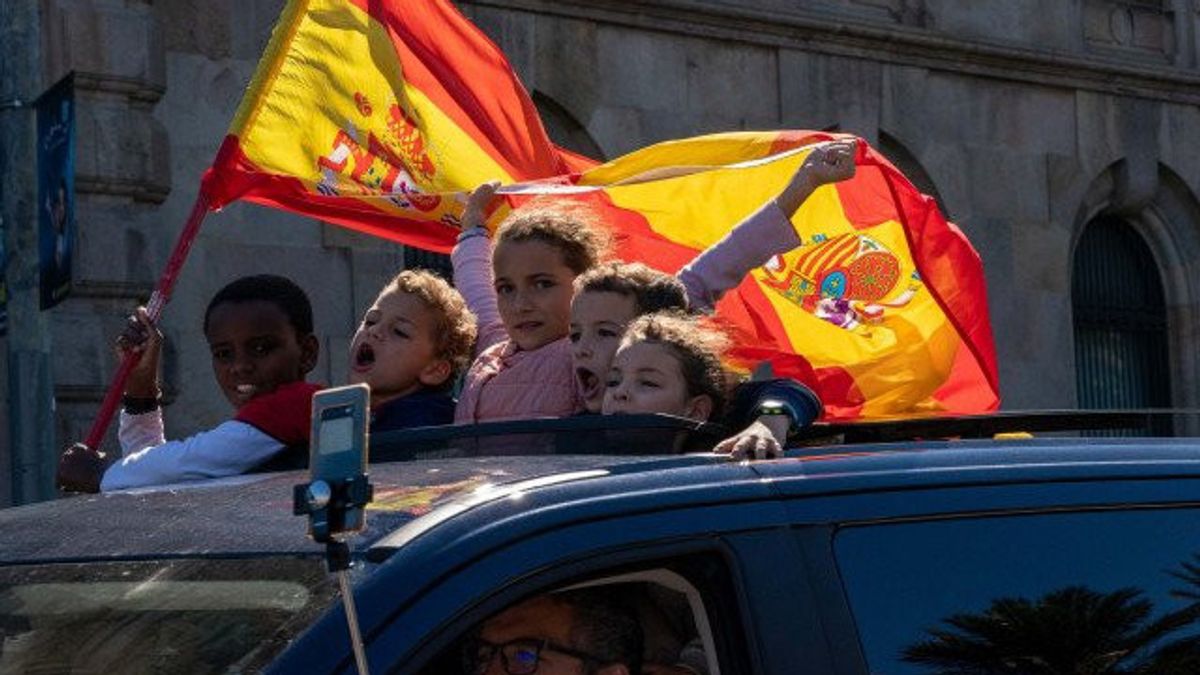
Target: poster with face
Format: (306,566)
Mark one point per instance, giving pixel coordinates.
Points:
(56,190)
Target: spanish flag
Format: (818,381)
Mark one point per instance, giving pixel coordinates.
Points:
(378,115)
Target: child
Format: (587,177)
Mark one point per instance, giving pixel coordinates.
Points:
(411,345)
(667,363)
(521,297)
(610,297)
(260,333)
(606,299)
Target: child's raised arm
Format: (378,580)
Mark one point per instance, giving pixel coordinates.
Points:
(766,232)
(472,261)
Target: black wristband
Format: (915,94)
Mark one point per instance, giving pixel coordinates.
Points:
(773,406)
(139,405)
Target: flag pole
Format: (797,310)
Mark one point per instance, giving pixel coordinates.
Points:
(154,308)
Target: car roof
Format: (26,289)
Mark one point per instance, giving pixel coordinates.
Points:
(252,515)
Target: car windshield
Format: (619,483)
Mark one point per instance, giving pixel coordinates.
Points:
(167,616)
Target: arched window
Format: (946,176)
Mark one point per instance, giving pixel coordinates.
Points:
(564,129)
(904,160)
(1121,351)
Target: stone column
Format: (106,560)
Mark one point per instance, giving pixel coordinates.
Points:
(121,175)
(29,432)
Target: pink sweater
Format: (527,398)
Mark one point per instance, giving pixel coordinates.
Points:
(505,382)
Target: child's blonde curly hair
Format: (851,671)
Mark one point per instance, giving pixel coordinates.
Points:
(695,341)
(574,229)
(454,324)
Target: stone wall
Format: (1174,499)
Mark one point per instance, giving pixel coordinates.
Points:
(1025,119)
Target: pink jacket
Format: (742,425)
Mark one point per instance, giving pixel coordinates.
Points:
(507,383)
(504,382)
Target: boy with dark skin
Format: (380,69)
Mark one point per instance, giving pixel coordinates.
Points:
(259,331)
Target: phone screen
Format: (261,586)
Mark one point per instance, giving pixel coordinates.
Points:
(336,435)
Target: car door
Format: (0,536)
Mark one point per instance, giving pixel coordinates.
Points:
(737,563)
(1009,577)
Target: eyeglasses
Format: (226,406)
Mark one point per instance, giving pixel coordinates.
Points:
(519,657)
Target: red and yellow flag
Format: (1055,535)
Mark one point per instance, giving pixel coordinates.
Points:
(378,115)
(367,114)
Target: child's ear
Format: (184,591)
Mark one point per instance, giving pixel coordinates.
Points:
(700,407)
(436,373)
(310,349)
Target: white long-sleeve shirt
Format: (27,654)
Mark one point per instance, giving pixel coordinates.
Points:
(147,458)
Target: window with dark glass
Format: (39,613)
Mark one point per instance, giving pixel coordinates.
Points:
(1121,351)
(682,611)
(1102,592)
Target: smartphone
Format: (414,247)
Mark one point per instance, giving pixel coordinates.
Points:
(338,446)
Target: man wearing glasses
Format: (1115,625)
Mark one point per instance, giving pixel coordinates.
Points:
(575,632)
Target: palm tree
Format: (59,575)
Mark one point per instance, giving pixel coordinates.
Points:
(1071,631)
(1189,573)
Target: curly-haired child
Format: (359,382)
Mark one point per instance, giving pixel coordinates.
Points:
(410,346)
(669,362)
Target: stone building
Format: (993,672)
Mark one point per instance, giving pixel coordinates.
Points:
(1060,136)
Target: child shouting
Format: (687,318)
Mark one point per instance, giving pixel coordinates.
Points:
(607,298)
(260,333)
(410,346)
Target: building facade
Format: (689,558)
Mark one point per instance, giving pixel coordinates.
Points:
(1059,136)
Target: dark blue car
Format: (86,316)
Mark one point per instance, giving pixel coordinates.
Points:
(1028,555)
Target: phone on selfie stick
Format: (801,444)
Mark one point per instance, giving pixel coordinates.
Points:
(338,490)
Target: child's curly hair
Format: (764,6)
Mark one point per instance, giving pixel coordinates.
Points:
(651,290)
(572,228)
(696,342)
(454,325)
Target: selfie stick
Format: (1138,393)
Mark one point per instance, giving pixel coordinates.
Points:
(327,503)
(162,293)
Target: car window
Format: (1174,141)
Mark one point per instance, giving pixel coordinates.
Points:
(179,616)
(679,624)
(1007,593)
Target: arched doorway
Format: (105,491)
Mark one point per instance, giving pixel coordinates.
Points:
(1120,320)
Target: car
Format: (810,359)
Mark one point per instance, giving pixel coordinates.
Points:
(914,556)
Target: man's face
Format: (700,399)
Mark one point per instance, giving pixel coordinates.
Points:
(541,620)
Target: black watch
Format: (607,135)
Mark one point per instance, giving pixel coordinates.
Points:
(770,407)
(139,405)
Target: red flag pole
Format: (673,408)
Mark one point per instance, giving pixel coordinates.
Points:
(162,294)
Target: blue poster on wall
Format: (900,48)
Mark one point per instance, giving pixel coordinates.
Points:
(56,190)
